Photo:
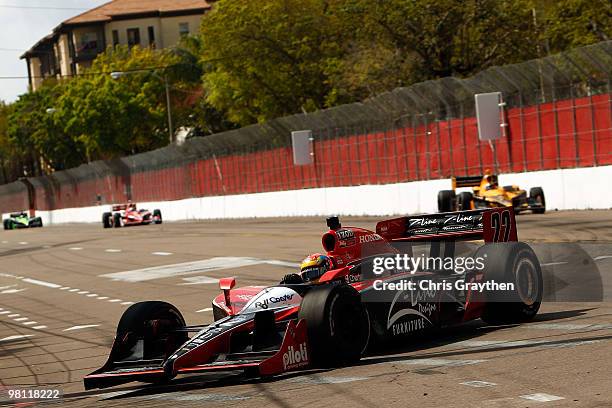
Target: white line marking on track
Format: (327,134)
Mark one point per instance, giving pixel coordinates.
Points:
(14,315)
(39,327)
(73,290)
(16,337)
(23,243)
(92,295)
(541,397)
(439,362)
(569,326)
(9,291)
(196,397)
(86,326)
(82,292)
(162,253)
(199,280)
(315,379)
(601,257)
(478,384)
(20,319)
(31,322)
(102,297)
(5,312)
(115,300)
(65,288)
(190,268)
(112,250)
(75,248)
(41,283)
(207,309)
(5,242)
(553,263)
(127,303)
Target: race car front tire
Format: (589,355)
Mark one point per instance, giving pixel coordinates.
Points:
(7,224)
(517,264)
(117,222)
(464,201)
(446,201)
(337,323)
(537,194)
(107,220)
(156,323)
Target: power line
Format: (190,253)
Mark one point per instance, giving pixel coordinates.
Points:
(14,6)
(95,73)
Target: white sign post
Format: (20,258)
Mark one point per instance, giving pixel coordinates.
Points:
(489,115)
(302,147)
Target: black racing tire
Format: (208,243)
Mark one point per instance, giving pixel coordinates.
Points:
(157,213)
(337,323)
(155,322)
(516,263)
(117,221)
(465,201)
(537,194)
(447,201)
(107,220)
(6,224)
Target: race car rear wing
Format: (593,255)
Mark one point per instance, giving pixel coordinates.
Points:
(466,181)
(492,225)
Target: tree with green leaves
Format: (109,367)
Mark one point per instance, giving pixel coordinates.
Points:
(574,23)
(263,60)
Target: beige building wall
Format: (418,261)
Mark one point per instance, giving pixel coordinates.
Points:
(142,24)
(170,28)
(35,72)
(63,55)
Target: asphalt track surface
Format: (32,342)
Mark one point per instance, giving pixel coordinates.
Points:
(63,289)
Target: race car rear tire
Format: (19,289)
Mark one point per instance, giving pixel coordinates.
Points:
(7,224)
(537,194)
(464,201)
(157,213)
(337,323)
(155,322)
(107,220)
(515,263)
(117,222)
(446,201)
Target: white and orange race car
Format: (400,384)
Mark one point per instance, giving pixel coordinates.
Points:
(124,215)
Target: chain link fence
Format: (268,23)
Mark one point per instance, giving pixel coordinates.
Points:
(557,110)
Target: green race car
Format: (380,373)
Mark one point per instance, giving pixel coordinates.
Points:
(22,220)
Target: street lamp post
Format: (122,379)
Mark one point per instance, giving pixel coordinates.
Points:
(119,74)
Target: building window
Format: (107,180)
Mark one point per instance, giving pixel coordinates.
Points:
(115,37)
(133,35)
(183,29)
(151,31)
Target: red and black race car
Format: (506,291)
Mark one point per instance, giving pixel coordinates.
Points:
(124,215)
(270,330)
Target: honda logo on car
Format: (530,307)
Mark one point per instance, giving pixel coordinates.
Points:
(369,238)
(295,358)
(263,304)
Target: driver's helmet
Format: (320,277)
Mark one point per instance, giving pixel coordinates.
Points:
(491,181)
(314,266)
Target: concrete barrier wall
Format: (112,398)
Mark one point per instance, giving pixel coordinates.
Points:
(565,189)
